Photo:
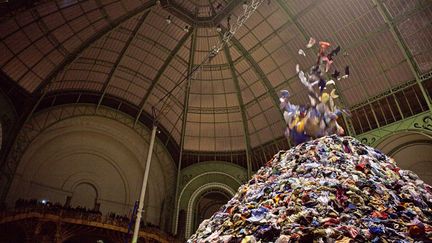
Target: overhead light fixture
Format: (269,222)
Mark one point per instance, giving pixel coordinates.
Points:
(218,28)
(219,6)
(168,19)
(186,28)
(245,5)
(158,2)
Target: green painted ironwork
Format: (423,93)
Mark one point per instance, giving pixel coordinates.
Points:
(161,71)
(242,111)
(117,62)
(195,176)
(420,123)
(183,127)
(407,54)
(72,56)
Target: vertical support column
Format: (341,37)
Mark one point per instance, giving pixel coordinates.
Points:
(183,128)
(242,111)
(398,106)
(374,115)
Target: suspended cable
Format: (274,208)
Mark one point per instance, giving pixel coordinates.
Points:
(248,9)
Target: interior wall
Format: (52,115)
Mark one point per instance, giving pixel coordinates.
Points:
(92,158)
(411,151)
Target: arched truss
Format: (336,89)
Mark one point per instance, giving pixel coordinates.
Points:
(205,173)
(193,200)
(385,48)
(420,123)
(34,126)
(224,197)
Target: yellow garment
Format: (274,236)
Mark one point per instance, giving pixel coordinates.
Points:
(325,98)
(301,125)
(248,239)
(344,240)
(294,122)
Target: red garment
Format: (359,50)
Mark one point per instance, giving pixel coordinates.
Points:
(380,215)
(340,196)
(361,166)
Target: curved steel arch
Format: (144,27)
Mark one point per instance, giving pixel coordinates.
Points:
(261,77)
(23,140)
(242,110)
(121,55)
(72,56)
(192,201)
(162,70)
(177,209)
(399,147)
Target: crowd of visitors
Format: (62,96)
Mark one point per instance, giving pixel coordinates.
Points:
(67,211)
(48,209)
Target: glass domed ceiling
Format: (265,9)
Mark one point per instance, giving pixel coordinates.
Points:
(126,49)
(202,8)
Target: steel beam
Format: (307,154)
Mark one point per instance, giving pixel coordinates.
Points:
(188,17)
(261,76)
(399,40)
(242,110)
(121,55)
(258,71)
(162,70)
(74,55)
(185,112)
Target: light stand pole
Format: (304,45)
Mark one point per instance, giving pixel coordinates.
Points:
(144,185)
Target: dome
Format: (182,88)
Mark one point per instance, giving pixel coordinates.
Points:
(128,55)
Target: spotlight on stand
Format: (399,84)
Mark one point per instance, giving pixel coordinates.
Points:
(218,28)
(168,19)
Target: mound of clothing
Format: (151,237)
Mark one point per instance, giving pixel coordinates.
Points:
(331,189)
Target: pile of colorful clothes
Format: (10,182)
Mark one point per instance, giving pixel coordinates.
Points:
(332,189)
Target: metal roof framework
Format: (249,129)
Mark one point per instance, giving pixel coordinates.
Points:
(127,50)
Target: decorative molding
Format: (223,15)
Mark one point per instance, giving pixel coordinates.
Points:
(420,123)
(426,76)
(427,123)
(366,140)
